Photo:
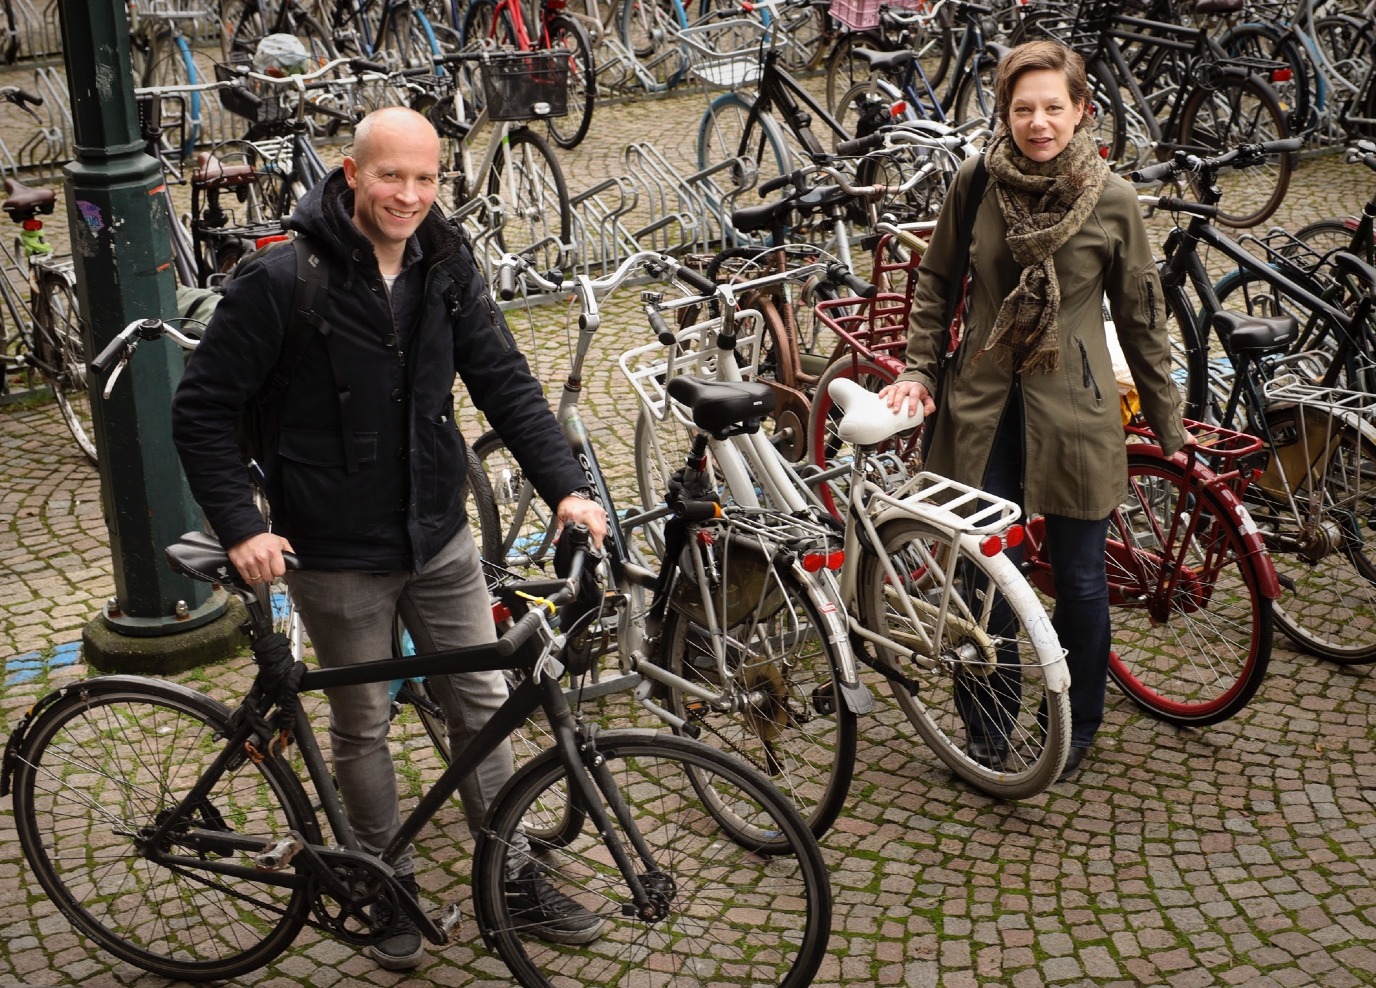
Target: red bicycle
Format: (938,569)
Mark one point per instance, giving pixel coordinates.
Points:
(1190,581)
(504,23)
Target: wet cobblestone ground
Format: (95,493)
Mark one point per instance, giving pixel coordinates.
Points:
(1238,855)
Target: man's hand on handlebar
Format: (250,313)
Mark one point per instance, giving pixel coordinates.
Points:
(574,510)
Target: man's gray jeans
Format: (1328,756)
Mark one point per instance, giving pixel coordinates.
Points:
(349,617)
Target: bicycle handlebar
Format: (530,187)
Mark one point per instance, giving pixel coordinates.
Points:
(534,618)
(1242,156)
(117,352)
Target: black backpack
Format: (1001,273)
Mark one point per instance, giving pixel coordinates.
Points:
(260,420)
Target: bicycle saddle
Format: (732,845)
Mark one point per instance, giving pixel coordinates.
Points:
(1218,6)
(867,419)
(1257,335)
(201,557)
(750,219)
(886,61)
(719,407)
(213,173)
(24,200)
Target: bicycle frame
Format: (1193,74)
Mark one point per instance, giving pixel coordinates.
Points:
(596,792)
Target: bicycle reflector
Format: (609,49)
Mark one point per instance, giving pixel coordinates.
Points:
(898,109)
(1282,75)
(994,544)
(819,560)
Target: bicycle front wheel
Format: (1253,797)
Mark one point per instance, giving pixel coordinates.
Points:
(61,357)
(520,537)
(1238,110)
(98,771)
(989,690)
(535,217)
(788,718)
(1191,627)
(724,913)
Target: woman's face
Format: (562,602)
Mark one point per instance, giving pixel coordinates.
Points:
(1041,114)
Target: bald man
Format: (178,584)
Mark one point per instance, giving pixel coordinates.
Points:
(365,490)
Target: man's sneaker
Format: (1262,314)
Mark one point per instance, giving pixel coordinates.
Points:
(537,906)
(403,949)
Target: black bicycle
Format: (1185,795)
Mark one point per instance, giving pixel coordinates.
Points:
(1314,495)
(176,832)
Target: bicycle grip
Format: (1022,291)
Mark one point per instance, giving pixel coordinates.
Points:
(520,631)
(25,96)
(1173,204)
(859,285)
(700,283)
(782,182)
(506,282)
(1158,172)
(113,351)
(366,65)
(860,145)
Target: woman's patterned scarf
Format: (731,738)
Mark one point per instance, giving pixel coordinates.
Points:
(1044,204)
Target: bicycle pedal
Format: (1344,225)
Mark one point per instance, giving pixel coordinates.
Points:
(451,918)
(279,854)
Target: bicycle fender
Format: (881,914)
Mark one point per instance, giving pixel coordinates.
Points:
(825,596)
(16,748)
(1024,600)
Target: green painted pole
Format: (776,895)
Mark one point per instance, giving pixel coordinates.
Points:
(123,258)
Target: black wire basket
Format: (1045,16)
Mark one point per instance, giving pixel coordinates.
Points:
(269,107)
(526,85)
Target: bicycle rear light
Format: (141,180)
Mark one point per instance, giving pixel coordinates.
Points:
(992,545)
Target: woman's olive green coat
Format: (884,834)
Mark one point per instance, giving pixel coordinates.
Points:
(1075,461)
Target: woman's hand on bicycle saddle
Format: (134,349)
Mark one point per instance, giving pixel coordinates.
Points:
(903,397)
(259,557)
(577,510)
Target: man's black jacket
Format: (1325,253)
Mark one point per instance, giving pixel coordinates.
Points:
(402,504)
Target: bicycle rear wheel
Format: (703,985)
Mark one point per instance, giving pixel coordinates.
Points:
(1191,627)
(97,772)
(725,914)
(792,723)
(1239,109)
(61,356)
(1329,566)
(977,684)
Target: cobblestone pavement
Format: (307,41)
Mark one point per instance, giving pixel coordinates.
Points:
(1242,854)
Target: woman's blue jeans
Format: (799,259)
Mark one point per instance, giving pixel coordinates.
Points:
(1075,550)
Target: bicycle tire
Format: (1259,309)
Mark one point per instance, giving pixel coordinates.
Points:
(649,29)
(731,915)
(1194,650)
(1242,109)
(1031,718)
(1349,44)
(242,25)
(845,70)
(523,520)
(101,765)
(405,40)
(9,47)
(1109,114)
(826,450)
(569,131)
(534,197)
(60,352)
(1268,42)
(974,94)
(1330,604)
(1326,237)
(661,445)
(794,725)
(728,130)
(172,63)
